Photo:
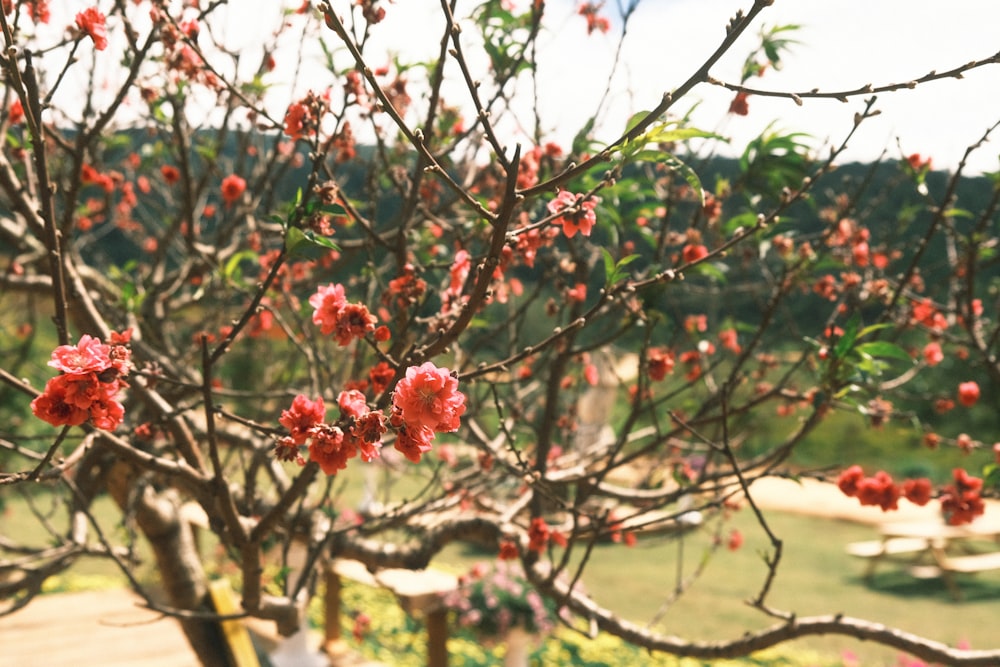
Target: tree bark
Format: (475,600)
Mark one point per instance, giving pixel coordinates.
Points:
(157,515)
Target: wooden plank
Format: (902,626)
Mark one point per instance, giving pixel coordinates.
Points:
(972,563)
(238,643)
(107,628)
(890,547)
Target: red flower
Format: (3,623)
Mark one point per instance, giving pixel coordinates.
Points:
(53,406)
(381,375)
(576,214)
(346,321)
(918,162)
(327,303)
(413,441)
(961,502)
(578,293)
(508,550)
(90,355)
(933,354)
(302,416)
(589,11)
(89,384)
(538,534)
(917,491)
(91,21)
(329,448)
(739,105)
(285,449)
(296,120)
(15,115)
(692,253)
(735,540)
(730,340)
(879,490)
(428,397)
(968,394)
(352,403)
(353,321)
(232,188)
(848,480)
(661,362)
(170,174)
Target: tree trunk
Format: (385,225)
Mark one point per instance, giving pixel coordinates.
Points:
(157,515)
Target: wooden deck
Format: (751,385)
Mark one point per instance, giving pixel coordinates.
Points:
(105,628)
(109,628)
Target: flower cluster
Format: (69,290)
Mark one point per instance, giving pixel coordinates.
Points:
(335,315)
(595,22)
(426,401)
(89,384)
(961,502)
(880,490)
(359,430)
(494,599)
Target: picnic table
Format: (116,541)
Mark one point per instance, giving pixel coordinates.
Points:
(933,549)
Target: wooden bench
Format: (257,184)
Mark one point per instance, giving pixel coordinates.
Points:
(945,566)
(972,563)
(891,547)
(876,550)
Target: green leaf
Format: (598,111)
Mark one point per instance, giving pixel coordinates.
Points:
(634,120)
(872,328)
(883,350)
(847,340)
(307,245)
(688,174)
(615,272)
(231,271)
(710,270)
(991,476)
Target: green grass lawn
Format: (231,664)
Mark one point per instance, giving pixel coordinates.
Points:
(816,577)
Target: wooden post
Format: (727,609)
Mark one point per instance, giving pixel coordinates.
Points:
(437,637)
(333,643)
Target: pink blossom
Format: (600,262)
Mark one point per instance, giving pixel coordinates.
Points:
(90,355)
(576,214)
(330,449)
(232,188)
(89,385)
(353,321)
(428,396)
(933,354)
(328,302)
(302,416)
(51,405)
(346,321)
(91,21)
(413,441)
(352,403)
(968,393)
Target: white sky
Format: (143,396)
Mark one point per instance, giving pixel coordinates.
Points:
(844,44)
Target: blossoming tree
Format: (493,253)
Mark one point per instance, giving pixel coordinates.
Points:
(211,243)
